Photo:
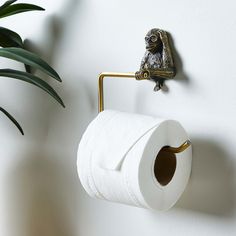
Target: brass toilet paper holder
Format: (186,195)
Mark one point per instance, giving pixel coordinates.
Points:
(157,65)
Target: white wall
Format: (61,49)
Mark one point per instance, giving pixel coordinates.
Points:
(40,191)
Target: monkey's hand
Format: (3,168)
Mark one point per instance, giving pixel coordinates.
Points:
(142,74)
(164,37)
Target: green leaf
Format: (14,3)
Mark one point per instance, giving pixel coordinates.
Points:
(9,38)
(7,3)
(18,8)
(27,68)
(12,119)
(30,59)
(24,76)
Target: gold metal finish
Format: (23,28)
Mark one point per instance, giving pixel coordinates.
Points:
(179,149)
(100,85)
(174,150)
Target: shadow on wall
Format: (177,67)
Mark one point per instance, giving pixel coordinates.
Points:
(74,90)
(43,187)
(181,76)
(42,194)
(37,104)
(211,189)
(40,106)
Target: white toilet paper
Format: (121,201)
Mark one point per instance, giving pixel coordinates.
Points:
(117,160)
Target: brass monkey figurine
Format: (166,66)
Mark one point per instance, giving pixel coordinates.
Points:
(157,63)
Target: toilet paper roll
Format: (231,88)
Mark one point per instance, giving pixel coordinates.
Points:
(121,159)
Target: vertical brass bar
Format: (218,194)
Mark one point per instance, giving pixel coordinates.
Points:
(100,85)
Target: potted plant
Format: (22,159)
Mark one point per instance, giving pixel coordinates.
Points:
(12,47)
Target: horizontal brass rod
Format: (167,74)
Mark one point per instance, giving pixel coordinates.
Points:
(179,149)
(100,85)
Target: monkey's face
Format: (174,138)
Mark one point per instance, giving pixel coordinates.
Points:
(153,41)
